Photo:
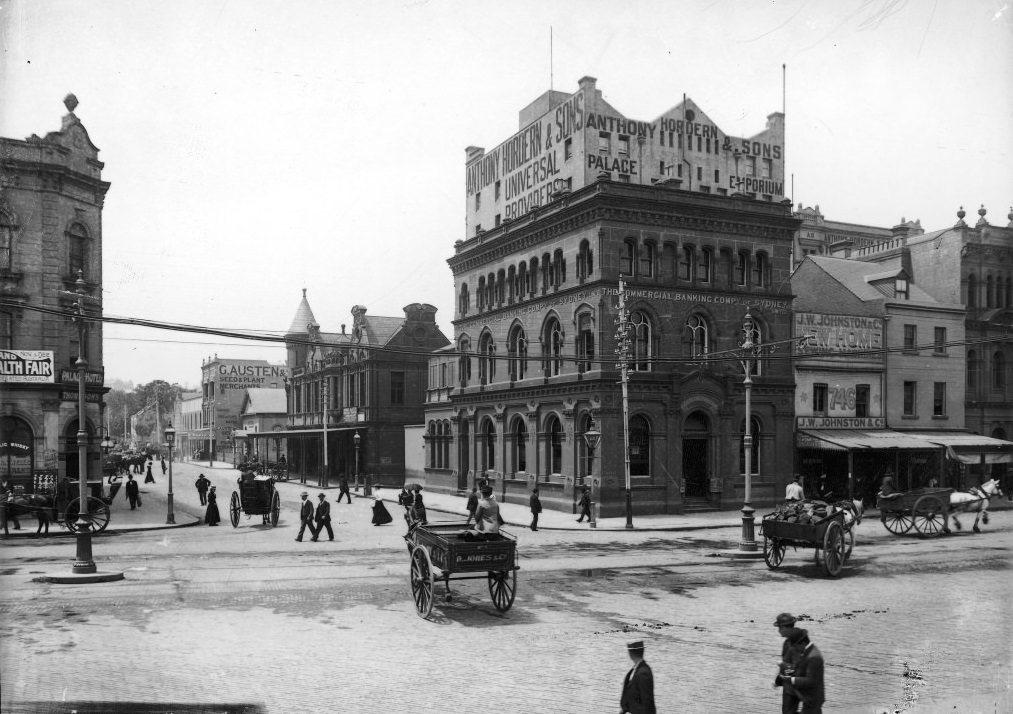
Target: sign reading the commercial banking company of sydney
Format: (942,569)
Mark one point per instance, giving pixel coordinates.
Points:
(838,333)
(27,366)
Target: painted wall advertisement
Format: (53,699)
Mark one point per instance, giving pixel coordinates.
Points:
(27,366)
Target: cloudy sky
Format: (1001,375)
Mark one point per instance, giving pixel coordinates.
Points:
(257,148)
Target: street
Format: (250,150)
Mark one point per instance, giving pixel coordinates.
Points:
(246,615)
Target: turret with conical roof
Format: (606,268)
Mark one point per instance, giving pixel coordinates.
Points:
(299,329)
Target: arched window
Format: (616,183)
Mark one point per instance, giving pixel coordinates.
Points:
(434,444)
(699,335)
(500,287)
(585,341)
(705,267)
(989,292)
(546,272)
(973,368)
(522,281)
(554,445)
(511,284)
(486,361)
(464,300)
(77,243)
(727,267)
(687,263)
(533,276)
(445,451)
(6,243)
(647,257)
(490,291)
(642,341)
(480,295)
(17,459)
(760,270)
(627,256)
(552,347)
(464,361)
(998,371)
(517,351)
(755,451)
(972,291)
(640,446)
(558,268)
(585,261)
(741,267)
(520,445)
(489,444)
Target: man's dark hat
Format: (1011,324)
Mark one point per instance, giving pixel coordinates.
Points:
(785,619)
(320,496)
(638,645)
(487,490)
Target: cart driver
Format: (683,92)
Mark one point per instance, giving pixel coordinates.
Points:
(487,513)
(887,489)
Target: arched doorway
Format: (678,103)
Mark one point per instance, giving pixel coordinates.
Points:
(17,451)
(463,454)
(695,462)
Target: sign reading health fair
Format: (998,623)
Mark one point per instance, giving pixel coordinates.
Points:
(26,366)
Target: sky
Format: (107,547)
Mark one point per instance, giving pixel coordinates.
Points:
(260,148)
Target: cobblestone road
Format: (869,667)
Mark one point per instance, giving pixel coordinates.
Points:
(912,625)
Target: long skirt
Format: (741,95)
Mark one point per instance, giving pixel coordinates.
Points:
(211,517)
(381,515)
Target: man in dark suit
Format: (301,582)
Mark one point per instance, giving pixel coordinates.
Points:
(133,494)
(306,517)
(343,490)
(791,650)
(536,508)
(203,484)
(808,678)
(323,518)
(638,687)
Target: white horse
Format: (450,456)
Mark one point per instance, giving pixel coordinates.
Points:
(975,500)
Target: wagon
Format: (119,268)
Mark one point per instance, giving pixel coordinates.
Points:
(98,508)
(927,510)
(826,535)
(438,552)
(256,497)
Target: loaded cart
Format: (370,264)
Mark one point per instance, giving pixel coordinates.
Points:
(439,551)
(256,497)
(826,535)
(927,510)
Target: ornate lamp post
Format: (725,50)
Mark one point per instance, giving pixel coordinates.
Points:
(170,439)
(592,437)
(356,439)
(748,544)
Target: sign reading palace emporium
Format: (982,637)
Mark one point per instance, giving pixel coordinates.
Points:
(577,137)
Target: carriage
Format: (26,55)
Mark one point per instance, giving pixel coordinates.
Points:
(927,510)
(256,496)
(47,505)
(440,551)
(829,535)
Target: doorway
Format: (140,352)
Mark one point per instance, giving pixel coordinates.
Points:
(695,463)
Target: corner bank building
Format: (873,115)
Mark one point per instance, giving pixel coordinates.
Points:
(695,223)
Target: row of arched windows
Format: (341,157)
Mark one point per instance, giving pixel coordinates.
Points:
(998,292)
(554,356)
(78,244)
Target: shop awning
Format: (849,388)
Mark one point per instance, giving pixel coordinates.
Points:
(301,432)
(970,448)
(859,439)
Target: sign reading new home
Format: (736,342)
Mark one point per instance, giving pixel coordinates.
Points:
(26,366)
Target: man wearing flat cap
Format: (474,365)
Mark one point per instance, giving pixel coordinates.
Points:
(638,687)
(799,674)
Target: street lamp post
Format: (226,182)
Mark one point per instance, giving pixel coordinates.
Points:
(356,439)
(170,439)
(748,544)
(623,350)
(592,437)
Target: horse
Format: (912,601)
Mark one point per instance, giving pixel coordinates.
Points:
(29,505)
(975,500)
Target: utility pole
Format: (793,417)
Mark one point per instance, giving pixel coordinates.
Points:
(623,351)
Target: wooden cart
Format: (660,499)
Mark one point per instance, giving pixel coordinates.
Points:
(826,535)
(437,552)
(256,497)
(927,510)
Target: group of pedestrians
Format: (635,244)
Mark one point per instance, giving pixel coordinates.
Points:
(317,519)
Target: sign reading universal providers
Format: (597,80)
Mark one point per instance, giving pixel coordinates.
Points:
(26,366)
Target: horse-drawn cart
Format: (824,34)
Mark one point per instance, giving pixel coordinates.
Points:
(445,547)
(827,535)
(927,510)
(256,497)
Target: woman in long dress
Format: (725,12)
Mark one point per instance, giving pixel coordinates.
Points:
(211,516)
(381,516)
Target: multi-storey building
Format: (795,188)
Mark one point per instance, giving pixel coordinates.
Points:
(351,393)
(51,198)
(694,222)
(972,266)
(818,236)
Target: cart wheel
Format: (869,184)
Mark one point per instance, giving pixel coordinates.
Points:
(929,516)
(897,522)
(98,514)
(275,509)
(422,582)
(773,552)
(833,549)
(849,542)
(503,588)
(234,509)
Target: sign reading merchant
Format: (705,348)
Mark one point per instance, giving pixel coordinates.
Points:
(27,366)
(238,375)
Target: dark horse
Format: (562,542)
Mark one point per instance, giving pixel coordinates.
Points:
(29,505)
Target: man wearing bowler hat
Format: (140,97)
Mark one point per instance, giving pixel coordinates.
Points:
(306,517)
(638,687)
(323,518)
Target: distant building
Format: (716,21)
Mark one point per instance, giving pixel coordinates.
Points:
(694,221)
(263,422)
(820,237)
(51,199)
(351,393)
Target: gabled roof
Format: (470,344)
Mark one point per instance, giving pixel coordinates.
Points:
(858,276)
(265,400)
